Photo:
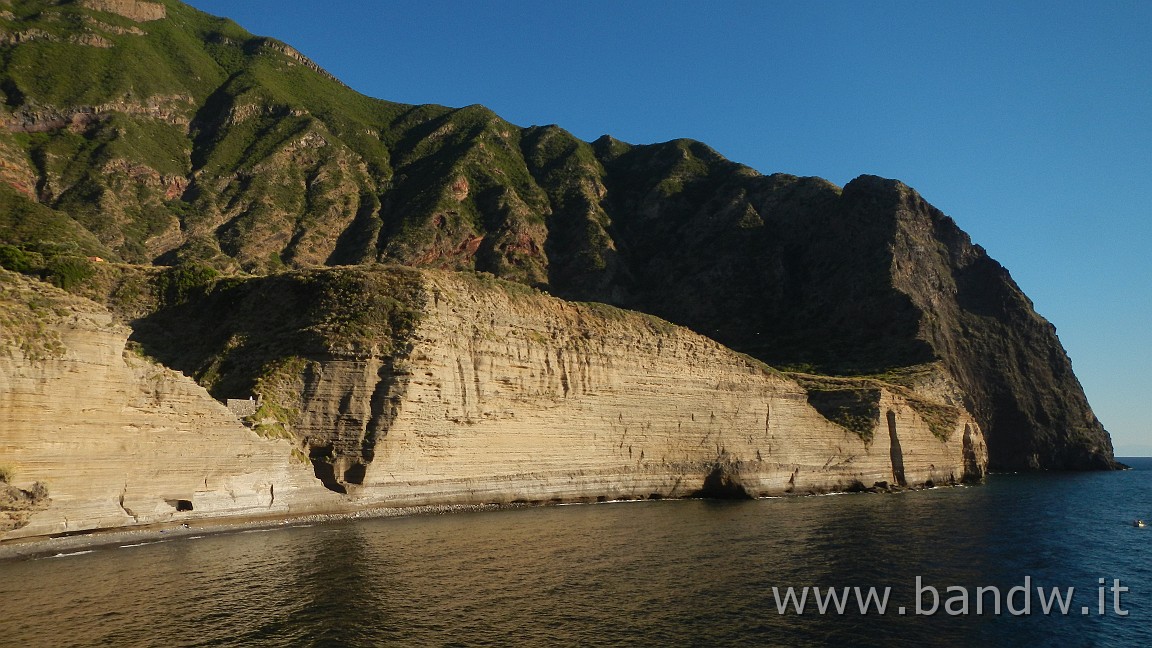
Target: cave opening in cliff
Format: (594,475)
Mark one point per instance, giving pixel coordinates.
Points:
(723,482)
(324,467)
(355,473)
(183,505)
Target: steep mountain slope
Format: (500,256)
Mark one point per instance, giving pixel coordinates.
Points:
(148,132)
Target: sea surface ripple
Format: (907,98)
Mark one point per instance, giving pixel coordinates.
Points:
(667,573)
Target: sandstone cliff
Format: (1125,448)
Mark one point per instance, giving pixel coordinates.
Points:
(110,439)
(525,397)
(479,391)
(466,387)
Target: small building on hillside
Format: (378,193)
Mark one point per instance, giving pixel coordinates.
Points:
(242,407)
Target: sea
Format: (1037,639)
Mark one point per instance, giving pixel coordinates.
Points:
(1059,554)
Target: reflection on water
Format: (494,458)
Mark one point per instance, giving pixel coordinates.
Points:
(652,573)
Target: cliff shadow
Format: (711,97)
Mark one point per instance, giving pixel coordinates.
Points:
(973,471)
(268,336)
(896,452)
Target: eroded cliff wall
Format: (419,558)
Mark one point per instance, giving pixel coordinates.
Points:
(526,397)
(111,439)
(480,390)
(496,393)
(152,133)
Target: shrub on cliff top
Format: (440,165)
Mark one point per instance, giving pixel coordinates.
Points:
(67,272)
(178,283)
(20,260)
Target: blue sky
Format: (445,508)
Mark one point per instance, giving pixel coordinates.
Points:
(1030,122)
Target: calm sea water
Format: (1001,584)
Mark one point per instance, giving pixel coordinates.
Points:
(670,573)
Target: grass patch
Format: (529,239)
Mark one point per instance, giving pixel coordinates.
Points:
(941,419)
(29,313)
(280,389)
(67,272)
(655,325)
(180,283)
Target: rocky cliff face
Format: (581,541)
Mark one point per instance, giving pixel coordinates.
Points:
(494,393)
(1007,359)
(482,390)
(530,398)
(94,436)
(137,10)
(148,132)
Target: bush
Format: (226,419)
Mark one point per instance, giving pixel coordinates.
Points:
(178,283)
(67,272)
(18,260)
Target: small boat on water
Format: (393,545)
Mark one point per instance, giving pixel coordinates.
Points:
(1139,523)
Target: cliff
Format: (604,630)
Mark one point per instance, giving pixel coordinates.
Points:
(530,398)
(464,387)
(150,133)
(478,391)
(95,436)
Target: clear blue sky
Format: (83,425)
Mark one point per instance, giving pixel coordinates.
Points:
(1030,123)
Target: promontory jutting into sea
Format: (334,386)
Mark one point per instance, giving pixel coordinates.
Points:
(236,290)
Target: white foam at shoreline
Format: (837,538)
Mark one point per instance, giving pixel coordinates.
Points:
(73,553)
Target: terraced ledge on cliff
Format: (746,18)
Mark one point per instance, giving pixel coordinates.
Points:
(437,388)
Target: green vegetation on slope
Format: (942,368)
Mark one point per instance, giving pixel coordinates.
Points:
(230,332)
(27,315)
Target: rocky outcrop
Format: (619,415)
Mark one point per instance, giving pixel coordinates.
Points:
(494,394)
(137,10)
(292,53)
(17,505)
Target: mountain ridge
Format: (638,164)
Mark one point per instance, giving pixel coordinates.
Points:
(202,144)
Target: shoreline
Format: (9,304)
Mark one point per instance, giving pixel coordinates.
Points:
(38,547)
